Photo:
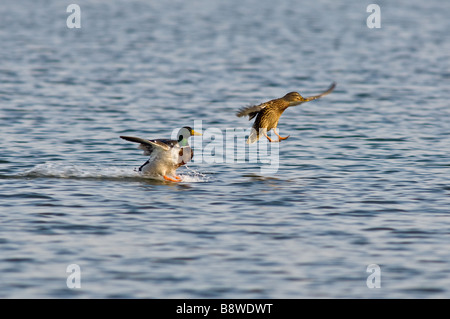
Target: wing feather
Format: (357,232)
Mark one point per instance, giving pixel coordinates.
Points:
(252,110)
(330,89)
(148,146)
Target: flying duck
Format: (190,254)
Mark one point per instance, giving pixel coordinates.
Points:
(268,113)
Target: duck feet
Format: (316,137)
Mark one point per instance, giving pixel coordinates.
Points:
(270,140)
(176,179)
(279,137)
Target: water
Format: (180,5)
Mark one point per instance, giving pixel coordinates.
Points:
(363,179)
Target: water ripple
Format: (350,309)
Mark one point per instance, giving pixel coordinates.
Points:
(363,178)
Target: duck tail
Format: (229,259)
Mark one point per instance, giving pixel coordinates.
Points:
(253,137)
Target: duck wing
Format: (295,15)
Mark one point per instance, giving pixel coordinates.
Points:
(149,146)
(252,110)
(330,89)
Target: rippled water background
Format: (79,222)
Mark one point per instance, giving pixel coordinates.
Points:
(363,179)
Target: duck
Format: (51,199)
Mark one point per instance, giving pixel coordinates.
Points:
(166,155)
(268,113)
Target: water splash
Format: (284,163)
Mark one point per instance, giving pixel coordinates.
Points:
(58,170)
(194,176)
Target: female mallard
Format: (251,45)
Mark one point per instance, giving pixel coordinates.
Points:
(268,113)
(165,155)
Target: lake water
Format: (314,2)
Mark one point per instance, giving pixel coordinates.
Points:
(364,178)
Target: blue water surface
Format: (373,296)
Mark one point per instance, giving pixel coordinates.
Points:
(363,178)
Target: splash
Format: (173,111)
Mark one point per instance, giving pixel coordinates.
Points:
(194,176)
(77,171)
(58,170)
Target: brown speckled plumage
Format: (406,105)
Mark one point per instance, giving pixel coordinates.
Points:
(268,113)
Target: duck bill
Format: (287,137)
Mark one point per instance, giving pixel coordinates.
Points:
(195,133)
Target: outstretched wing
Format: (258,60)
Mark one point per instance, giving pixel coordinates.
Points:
(148,146)
(330,89)
(252,111)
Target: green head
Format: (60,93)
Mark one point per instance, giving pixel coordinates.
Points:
(184,134)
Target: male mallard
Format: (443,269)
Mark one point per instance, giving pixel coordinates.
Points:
(268,113)
(165,155)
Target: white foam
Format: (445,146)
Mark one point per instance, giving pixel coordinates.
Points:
(193,176)
(59,170)
(50,169)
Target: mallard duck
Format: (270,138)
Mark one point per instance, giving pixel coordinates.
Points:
(165,155)
(268,113)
